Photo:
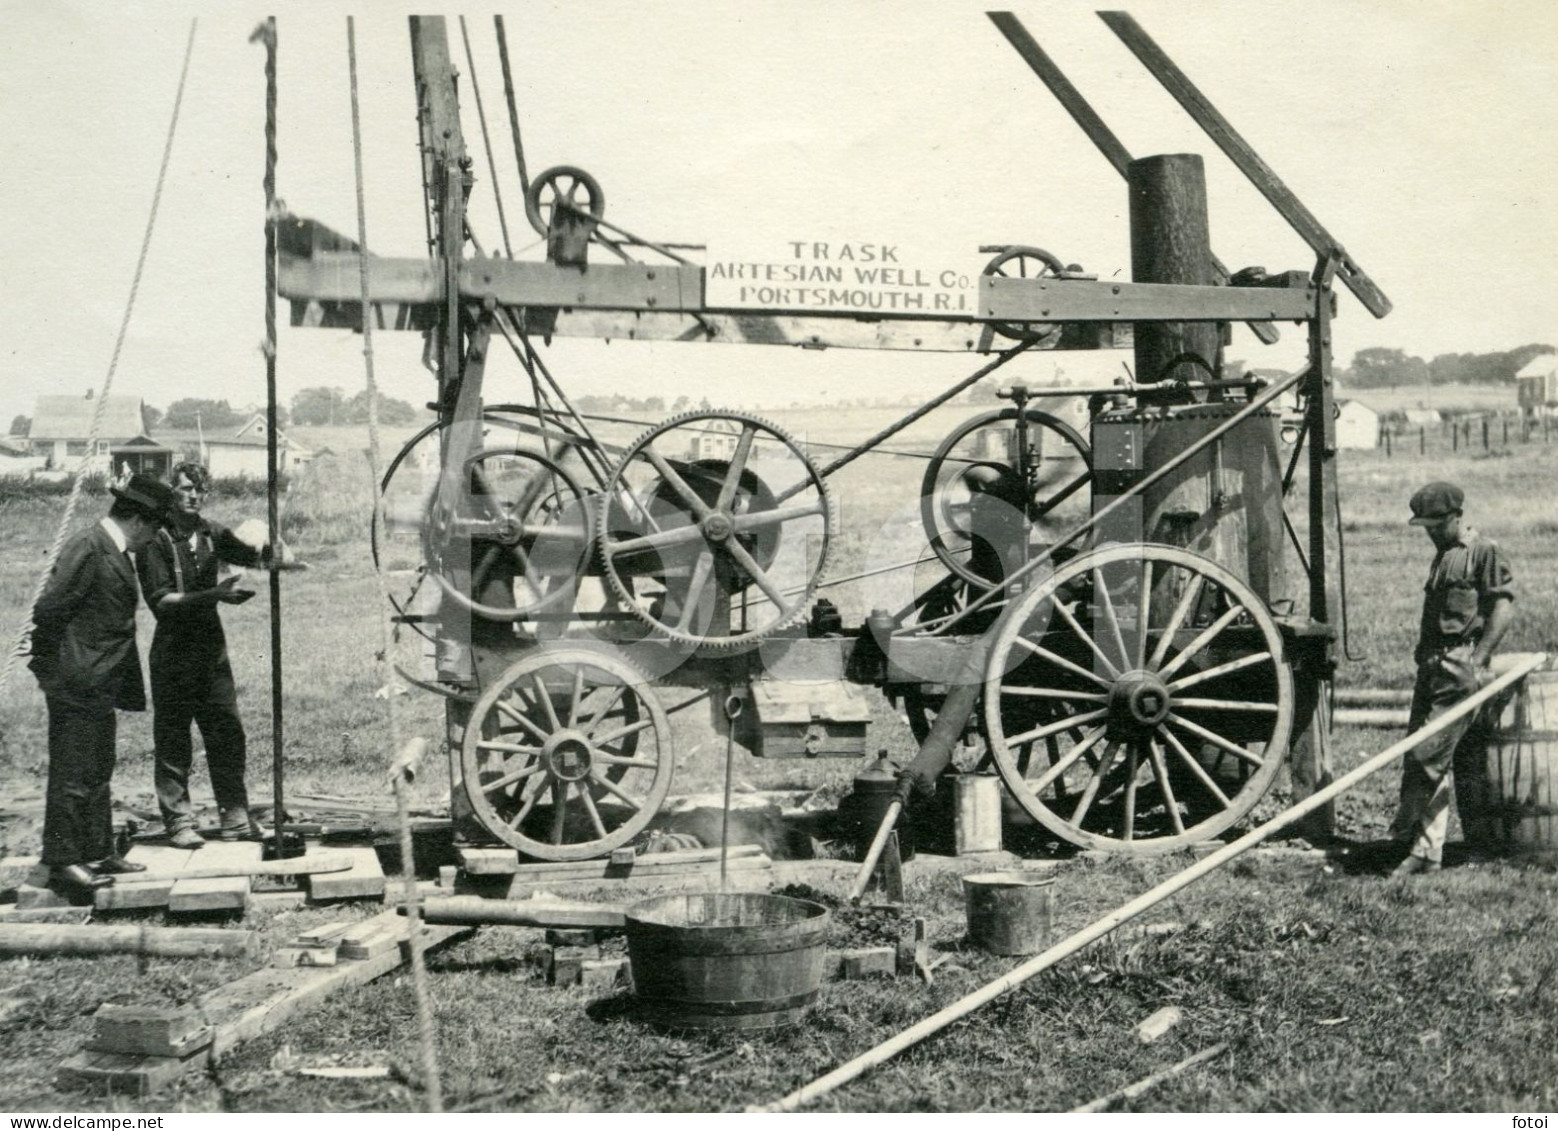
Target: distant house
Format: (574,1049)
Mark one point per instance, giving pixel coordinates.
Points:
(142,456)
(16,457)
(1422,417)
(1536,385)
(62,430)
(1357,425)
(244,453)
(715,439)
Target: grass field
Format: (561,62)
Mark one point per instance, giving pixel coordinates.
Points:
(1335,991)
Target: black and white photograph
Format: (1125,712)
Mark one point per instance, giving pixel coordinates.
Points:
(778,557)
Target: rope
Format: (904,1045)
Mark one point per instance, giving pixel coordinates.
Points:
(508,91)
(481,116)
(24,636)
(427,1035)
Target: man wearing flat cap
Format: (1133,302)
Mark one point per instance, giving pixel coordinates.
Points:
(84,655)
(1468,604)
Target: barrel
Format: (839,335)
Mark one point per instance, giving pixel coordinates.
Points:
(1008,912)
(1523,768)
(726,960)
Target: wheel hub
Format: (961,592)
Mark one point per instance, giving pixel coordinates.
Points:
(718,527)
(568,756)
(1138,702)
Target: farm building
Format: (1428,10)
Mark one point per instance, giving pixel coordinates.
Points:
(62,430)
(1423,417)
(1536,385)
(1357,425)
(244,452)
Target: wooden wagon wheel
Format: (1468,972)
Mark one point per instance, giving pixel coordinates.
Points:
(1137,699)
(568,754)
(513,516)
(978,509)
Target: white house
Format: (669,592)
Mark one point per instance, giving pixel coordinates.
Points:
(1423,417)
(1357,425)
(244,453)
(62,428)
(1536,384)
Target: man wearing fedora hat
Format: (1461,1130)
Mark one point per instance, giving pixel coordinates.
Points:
(85,659)
(1468,604)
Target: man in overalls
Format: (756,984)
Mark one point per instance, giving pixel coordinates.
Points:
(191,678)
(1468,604)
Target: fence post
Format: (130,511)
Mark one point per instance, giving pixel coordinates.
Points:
(1422,438)
(1505,421)
(1484,433)
(1455,436)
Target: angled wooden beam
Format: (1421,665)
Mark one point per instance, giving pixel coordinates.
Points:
(1239,151)
(1083,114)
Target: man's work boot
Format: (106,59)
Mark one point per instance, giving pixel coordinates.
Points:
(77,879)
(116,866)
(238,825)
(1416,866)
(186,837)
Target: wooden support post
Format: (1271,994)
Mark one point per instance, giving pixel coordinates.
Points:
(1170,244)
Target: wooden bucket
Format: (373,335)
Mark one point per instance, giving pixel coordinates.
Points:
(1523,768)
(726,960)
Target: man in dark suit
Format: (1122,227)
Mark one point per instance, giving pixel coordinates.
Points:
(84,655)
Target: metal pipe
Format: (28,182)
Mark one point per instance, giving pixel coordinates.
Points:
(1069,946)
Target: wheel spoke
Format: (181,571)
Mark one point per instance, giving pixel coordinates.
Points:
(522,720)
(510,779)
(738,464)
(1221,669)
(1055,728)
(753,570)
(701,573)
(545,697)
(759,520)
(1054,693)
(612,789)
(524,809)
(1062,662)
(1079,814)
(621,732)
(677,483)
(1201,641)
(1195,767)
(1131,767)
(577,697)
(1076,627)
(559,809)
(1170,802)
(1144,612)
(1214,738)
(1225,705)
(601,713)
(622,760)
(507,747)
(674,536)
(1066,761)
(1100,586)
(589,807)
(1043,508)
(1181,610)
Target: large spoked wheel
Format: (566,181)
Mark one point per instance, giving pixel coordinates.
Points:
(404,491)
(563,186)
(726,515)
(982,511)
(568,755)
(1025,263)
(514,525)
(1137,699)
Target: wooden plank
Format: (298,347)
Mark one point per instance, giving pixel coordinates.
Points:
(364,880)
(751,874)
(488,861)
(176,942)
(1082,300)
(118,1073)
(327,935)
(33,897)
(201,867)
(134,895)
(288,956)
(637,865)
(148,1030)
(218,893)
(266,999)
(471,909)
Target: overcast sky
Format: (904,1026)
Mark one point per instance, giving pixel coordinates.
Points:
(1423,135)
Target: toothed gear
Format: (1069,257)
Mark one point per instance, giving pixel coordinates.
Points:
(722,536)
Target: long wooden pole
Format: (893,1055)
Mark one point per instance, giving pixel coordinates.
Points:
(1131,1091)
(1147,900)
(162,942)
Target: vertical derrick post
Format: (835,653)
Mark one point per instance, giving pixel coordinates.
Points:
(1170,244)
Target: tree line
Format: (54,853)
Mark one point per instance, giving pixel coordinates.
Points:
(1377,367)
